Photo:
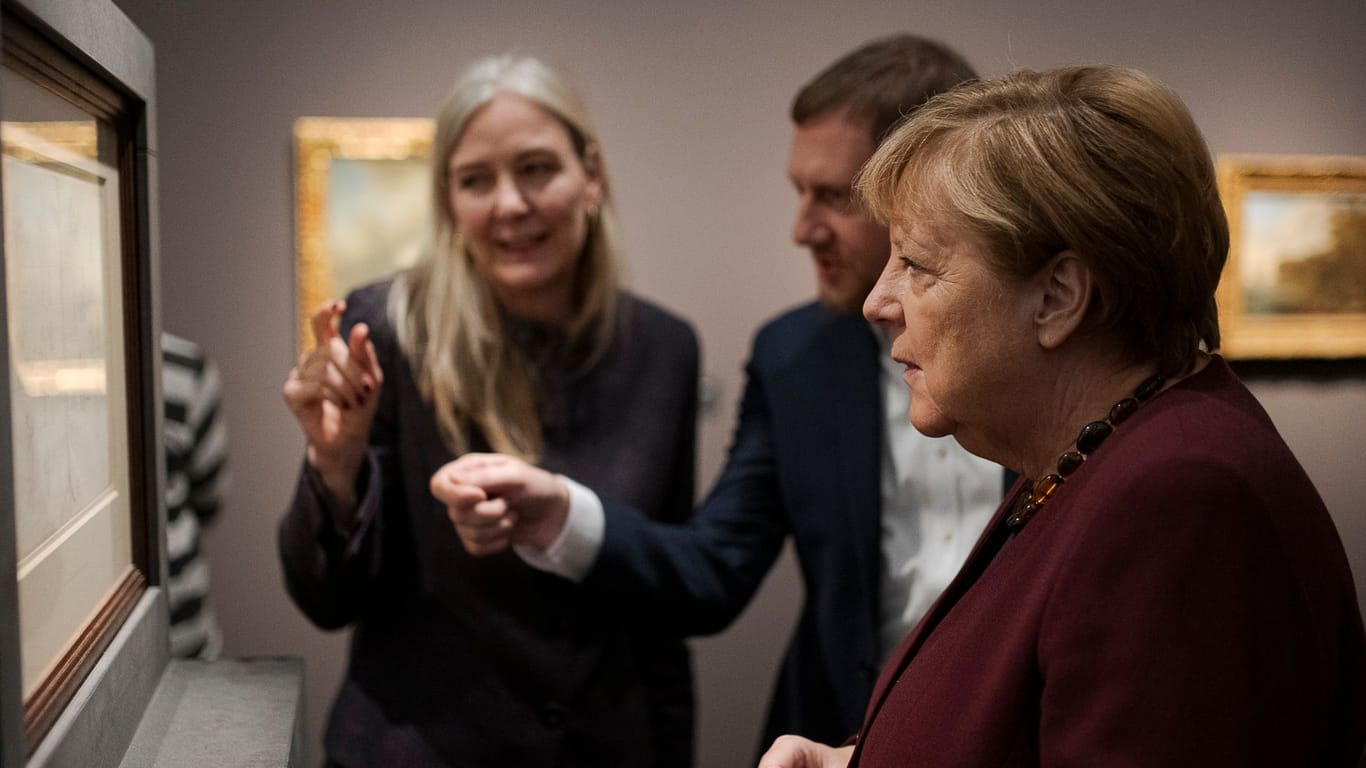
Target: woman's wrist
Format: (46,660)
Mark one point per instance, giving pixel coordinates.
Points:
(338,473)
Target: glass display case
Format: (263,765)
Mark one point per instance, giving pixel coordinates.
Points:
(79,442)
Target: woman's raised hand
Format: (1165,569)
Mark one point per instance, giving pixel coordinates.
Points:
(333,393)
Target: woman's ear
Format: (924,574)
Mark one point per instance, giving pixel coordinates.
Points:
(592,169)
(1065,299)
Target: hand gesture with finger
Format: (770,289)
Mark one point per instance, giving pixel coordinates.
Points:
(334,393)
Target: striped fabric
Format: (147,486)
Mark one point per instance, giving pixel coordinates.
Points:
(196,478)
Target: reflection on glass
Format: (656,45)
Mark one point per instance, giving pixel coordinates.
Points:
(66,367)
(59,372)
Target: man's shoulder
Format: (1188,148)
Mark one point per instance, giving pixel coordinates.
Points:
(799,327)
(186,369)
(800,319)
(178,350)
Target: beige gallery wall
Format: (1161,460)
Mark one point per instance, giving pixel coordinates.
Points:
(691,100)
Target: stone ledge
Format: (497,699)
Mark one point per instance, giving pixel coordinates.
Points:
(232,713)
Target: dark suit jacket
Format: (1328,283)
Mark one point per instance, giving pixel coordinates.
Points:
(466,661)
(805,461)
(1183,600)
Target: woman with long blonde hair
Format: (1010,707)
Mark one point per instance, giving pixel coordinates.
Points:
(512,335)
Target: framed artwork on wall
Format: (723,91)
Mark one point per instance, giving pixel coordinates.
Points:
(362,204)
(1295,282)
(79,524)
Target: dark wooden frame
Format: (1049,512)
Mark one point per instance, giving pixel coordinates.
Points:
(58,45)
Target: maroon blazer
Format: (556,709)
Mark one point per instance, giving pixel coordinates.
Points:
(1184,599)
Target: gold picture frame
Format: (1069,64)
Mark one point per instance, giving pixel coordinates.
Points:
(1295,282)
(362,204)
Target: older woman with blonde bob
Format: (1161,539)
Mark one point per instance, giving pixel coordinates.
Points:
(513,334)
(1164,586)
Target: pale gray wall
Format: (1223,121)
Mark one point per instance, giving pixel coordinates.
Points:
(691,99)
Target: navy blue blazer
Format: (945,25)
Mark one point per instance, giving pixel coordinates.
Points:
(804,461)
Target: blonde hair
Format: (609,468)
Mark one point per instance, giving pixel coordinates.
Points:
(448,321)
(1103,161)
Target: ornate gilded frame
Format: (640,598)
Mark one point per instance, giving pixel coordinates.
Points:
(369,145)
(1295,282)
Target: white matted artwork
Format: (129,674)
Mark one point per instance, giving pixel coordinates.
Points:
(67,382)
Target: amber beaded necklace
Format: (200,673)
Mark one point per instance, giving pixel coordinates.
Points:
(1030,500)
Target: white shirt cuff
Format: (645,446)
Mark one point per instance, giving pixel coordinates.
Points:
(574,551)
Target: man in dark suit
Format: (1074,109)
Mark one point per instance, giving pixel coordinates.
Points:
(881,517)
